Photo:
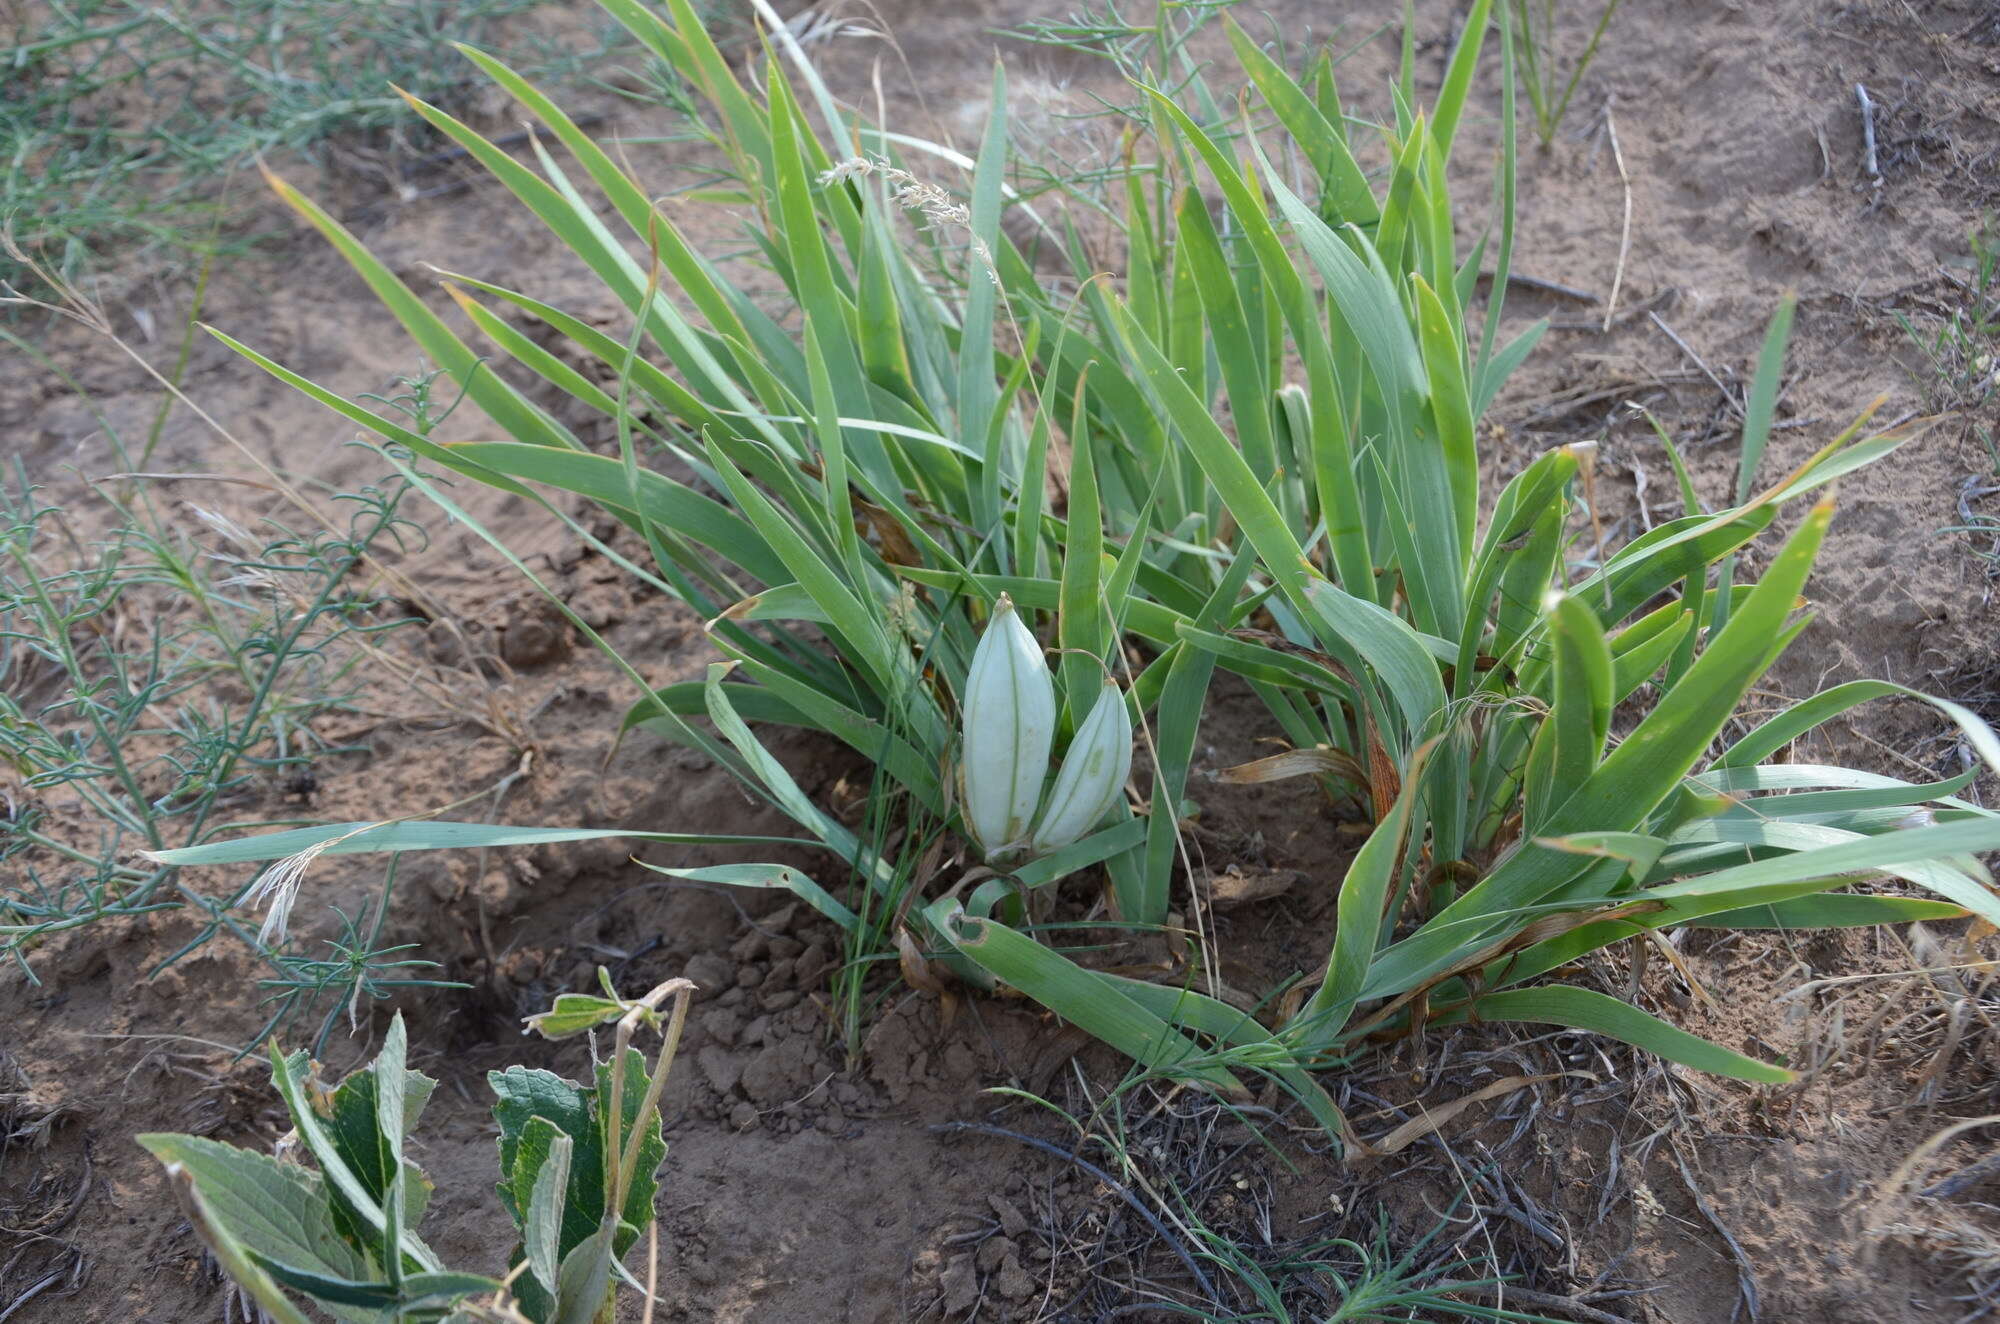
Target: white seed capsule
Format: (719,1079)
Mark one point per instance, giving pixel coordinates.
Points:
(1092,777)
(1010,722)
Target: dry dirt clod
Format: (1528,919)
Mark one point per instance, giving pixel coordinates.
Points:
(993,1252)
(811,965)
(1013,1282)
(778,1073)
(960,1283)
(723,1026)
(601,605)
(722,1070)
(535,636)
(1012,1221)
(711,973)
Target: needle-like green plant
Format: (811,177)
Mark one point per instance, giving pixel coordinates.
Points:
(1961,350)
(1344,1280)
(152,675)
(1541,68)
(123,121)
(846,489)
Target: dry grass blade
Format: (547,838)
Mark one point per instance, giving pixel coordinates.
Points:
(1894,1198)
(1111,1184)
(1432,1119)
(1625,225)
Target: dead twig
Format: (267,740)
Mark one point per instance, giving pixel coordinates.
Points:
(1528,282)
(1570,400)
(1729,397)
(1746,1276)
(1893,1195)
(1870,162)
(1568,1305)
(1625,229)
(1111,1184)
(1965,1178)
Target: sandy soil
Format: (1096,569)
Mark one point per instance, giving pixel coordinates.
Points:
(802,1186)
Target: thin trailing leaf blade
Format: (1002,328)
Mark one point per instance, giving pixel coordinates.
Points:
(1587,1009)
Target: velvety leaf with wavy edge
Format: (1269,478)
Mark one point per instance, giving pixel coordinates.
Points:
(277,1212)
(368,1138)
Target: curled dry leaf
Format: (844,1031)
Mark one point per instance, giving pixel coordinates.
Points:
(1316,762)
(1234,887)
(1279,643)
(918,972)
(886,534)
(1384,783)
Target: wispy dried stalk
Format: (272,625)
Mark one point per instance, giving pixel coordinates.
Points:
(910,193)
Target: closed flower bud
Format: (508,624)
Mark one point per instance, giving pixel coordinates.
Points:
(1092,777)
(1010,722)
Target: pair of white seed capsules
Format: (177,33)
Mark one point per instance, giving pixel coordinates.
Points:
(1010,726)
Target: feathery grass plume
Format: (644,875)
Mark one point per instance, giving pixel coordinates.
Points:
(278,889)
(910,193)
